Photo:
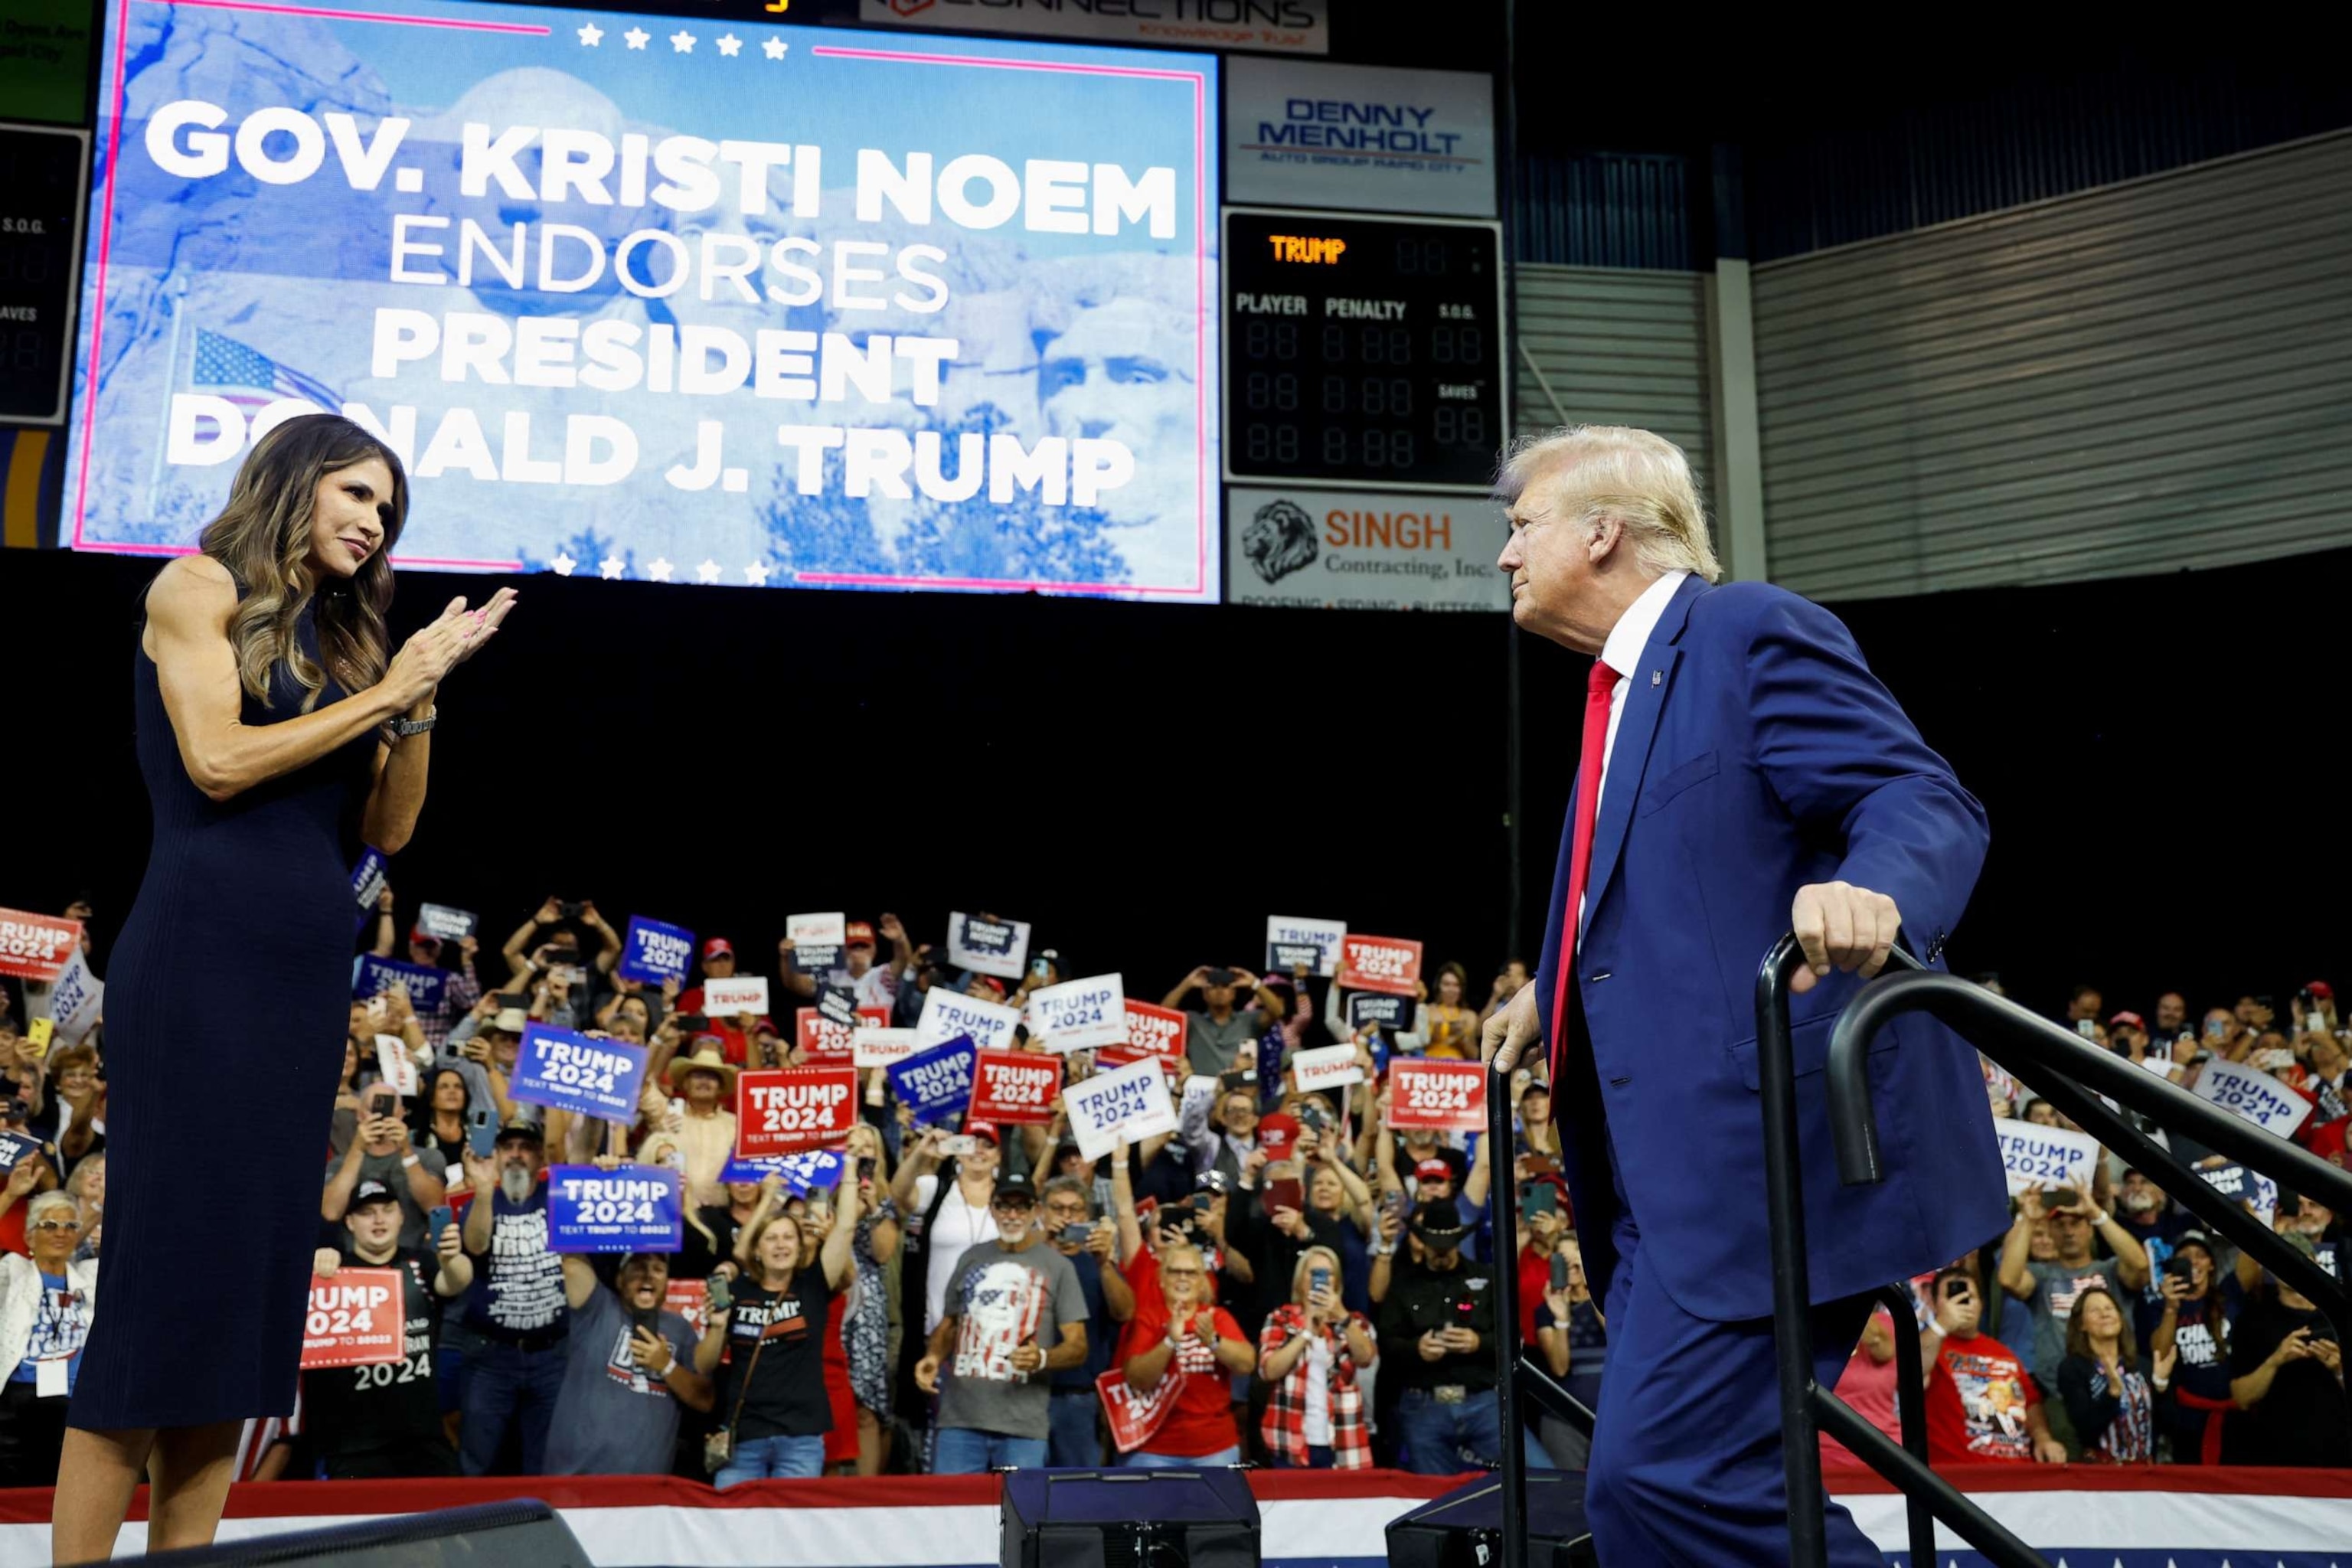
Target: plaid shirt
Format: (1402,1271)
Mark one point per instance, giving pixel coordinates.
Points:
(458,999)
(1284,1426)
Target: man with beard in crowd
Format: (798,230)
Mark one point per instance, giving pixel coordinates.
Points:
(516,1311)
(629,1365)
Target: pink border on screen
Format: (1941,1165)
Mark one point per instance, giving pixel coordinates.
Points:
(845,579)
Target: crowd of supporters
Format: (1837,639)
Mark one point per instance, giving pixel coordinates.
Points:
(1283,1278)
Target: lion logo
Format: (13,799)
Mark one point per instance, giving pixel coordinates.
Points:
(1279,540)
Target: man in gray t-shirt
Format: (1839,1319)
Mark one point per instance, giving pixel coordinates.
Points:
(1215,1031)
(628,1363)
(1015,1315)
(2046,1290)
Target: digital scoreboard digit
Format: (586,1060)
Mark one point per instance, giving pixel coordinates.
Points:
(1363,349)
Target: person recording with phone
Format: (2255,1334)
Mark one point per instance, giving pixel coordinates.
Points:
(416,1177)
(370,1422)
(1216,1031)
(2047,1290)
(459,992)
(2286,1377)
(1574,1343)
(1310,1354)
(1437,1318)
(946,1182)
(2191,1327)
(628,1367)
(484,1047)
(1982,1405)
(1073,1229)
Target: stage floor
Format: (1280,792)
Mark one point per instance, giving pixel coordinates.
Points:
(2090,1515)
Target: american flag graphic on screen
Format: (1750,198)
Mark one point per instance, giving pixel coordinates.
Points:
(249,378)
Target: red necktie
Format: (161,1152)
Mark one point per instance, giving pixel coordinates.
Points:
(1579,854)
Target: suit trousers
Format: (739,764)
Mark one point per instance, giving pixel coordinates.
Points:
(1687,1464)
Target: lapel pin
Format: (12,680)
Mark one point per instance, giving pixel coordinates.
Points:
(1657,677)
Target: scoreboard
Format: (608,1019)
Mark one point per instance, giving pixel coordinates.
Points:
(1363,349)
(43,174)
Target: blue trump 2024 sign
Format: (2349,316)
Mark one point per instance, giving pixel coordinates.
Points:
(570,1072)
(654,951)
(815,1171)
(636,1208)
(936,1085)
(426,985)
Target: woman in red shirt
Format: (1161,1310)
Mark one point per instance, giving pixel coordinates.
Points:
(1183,1334)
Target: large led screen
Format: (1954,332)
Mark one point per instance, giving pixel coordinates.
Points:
(699,300)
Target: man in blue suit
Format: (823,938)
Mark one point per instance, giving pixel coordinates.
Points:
(1744,773)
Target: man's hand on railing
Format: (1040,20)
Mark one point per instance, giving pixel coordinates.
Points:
(1841,926)
(1506,1036)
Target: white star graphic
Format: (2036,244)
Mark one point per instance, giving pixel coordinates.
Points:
(591,33)
(682,41)
(776,48)
(730,45)
(709,571)
(758,572)
(659,571)
(637,36)
(563,565)
(612,566)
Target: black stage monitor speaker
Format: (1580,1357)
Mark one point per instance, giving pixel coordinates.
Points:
(1464,1528)
(524,1533)
(1130,1519)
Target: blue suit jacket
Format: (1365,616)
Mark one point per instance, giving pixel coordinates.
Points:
(1758,754)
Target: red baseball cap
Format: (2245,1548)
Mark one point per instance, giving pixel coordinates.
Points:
(421,935)
(983,1130)
(2322,990)
(1276,1134)
(2133,1019)
(857,933)
(992,982)
(717,947)
(1432,1171)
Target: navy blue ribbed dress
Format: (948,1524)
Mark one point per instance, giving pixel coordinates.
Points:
(230,987)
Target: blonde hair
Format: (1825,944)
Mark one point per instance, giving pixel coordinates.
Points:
(1307,1261)
(1639,478)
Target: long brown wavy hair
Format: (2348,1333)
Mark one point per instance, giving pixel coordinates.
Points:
(263,536)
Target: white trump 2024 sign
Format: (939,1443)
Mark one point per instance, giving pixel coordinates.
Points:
(2256,1096)
(2038,1156)
(947,1013)
(1079,1013)
(1128,1102)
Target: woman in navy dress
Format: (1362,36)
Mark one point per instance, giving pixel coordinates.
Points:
(276,739)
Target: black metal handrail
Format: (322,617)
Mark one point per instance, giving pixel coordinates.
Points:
(1503,1204)
(2072,1073)
(1806,1408)
(2058,1065)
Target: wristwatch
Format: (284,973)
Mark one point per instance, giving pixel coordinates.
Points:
(403,727)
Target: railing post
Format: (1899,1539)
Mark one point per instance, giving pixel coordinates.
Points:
(1503,1208)
(1911,1409)
(1792,1338)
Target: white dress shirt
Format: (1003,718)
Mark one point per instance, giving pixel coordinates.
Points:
(1622,653)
